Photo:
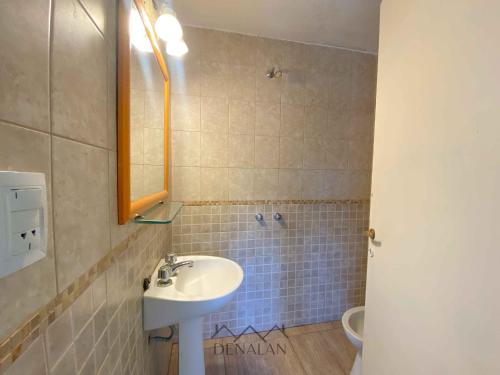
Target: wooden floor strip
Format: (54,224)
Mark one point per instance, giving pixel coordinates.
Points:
(318,349)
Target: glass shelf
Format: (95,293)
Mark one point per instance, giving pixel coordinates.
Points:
(161,213)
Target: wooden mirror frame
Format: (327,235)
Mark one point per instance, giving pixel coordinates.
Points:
(127,208)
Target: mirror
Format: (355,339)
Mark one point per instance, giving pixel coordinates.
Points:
(143,114)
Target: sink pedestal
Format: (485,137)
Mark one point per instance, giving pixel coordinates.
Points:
(191,353)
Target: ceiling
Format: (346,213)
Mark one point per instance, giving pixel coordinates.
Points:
(342,23)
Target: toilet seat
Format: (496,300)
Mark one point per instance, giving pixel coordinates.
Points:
(353,324)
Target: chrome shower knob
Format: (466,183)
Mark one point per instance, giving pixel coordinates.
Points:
(259,217)
(277,216)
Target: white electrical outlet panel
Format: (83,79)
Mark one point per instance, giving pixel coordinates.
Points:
(23,220)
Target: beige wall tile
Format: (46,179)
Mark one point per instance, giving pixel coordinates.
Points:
(293,87)
(360,154)
(265,184)
(348,184)
(316,122)
(214,182)
(137,108)
(136,181)
(361,125)
(24,97)
(297,55)
(185,149)
(338,124)
(313,184)
(299,122)
(341,63)
(185,112)
(111,84)
(136,145)
(292,120)
(315,154)
(102,347)
(32,361)
(321,59)
(215,79)
(67,364)
(291,151)
(290,184)
(26,150)
(58,337)
(214,150)
(80,177)
(242,82)
(267,119)
(241,150)
(269,52)
(337,154)
(84,343)
(154,109)
(242,49)
(340,92)
(88,368)
(99,291)
(154,152)
(78,60)
(186,183)
(267,152)
(154,179)
(214,115)
(267,90)
(364,77)
(215,46)
(98,10)
(241,117)
(240,184)
(317,88)
(185,76)
(81,311)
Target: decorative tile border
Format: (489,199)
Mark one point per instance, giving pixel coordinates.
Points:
(262,202)
(21,338)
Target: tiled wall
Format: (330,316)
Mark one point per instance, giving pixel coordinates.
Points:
(308,268)
(58,116)
(238,135)
(101,331)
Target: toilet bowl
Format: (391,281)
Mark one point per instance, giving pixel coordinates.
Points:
(353,322)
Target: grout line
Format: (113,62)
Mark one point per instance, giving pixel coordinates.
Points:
(89,15)
(52,185)
(85,143)
(26,127)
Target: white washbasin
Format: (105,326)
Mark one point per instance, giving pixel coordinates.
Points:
(195,291)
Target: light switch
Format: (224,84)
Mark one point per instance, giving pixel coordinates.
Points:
(23,220)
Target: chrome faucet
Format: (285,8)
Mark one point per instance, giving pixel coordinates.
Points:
(167,271)
(188,263)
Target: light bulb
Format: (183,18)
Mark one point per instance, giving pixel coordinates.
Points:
(168,28)
(177,48)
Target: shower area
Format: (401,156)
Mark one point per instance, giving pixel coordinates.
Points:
(271,146)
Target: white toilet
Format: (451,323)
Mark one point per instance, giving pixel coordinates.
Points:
(353,322)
